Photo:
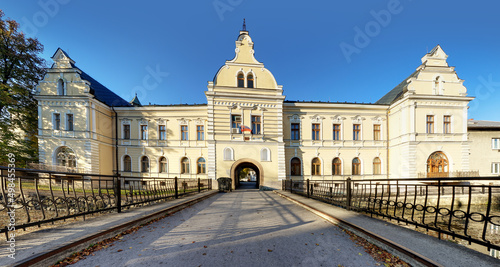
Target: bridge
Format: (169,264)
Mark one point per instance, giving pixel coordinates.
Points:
(187,223)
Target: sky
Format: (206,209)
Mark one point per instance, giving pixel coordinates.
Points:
(354,51)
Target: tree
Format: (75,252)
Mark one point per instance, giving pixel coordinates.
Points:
(20,70)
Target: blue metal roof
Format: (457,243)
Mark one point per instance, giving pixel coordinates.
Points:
(102,93)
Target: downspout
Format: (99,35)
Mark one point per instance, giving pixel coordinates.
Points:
(116,141)
(388,139)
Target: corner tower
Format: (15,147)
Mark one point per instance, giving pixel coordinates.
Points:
(245,113)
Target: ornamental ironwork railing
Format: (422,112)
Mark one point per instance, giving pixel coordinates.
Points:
(31,197)
(457,207)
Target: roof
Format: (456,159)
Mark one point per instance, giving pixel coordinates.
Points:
(326,102)
(135,102)
(483,125)
(396,92)
(102,93)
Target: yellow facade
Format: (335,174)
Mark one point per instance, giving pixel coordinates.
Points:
(247,123)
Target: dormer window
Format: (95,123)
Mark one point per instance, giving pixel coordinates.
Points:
(250,81)
(60,87)
(241,80)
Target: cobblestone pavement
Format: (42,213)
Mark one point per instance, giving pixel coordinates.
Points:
(243,228)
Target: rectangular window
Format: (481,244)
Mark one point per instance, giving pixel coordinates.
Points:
(295,131)
(356,128)
(162,132)
(144,132)
(69,122)
(256,124)
(447,124)
(184,132)
(126,131)
(376,132)
(235,123)
(495,168)
(200,133)
(336,132)
(57,121)
(495,143)
(315,131)
(430,124)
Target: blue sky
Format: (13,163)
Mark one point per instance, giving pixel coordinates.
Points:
(120,44)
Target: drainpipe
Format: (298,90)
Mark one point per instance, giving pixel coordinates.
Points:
(116,141)
(387,150)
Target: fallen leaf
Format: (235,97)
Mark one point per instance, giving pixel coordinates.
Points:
(204,254)
(269,250)
(120,250)
(360,254)
(205,246)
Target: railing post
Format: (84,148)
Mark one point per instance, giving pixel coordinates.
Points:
(118,193)
(291,186)
(308,188)
(176,188)
(348,193)
(199,185)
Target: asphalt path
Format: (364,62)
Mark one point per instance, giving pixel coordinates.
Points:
(246,227)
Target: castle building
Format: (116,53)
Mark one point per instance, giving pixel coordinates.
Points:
(417,129)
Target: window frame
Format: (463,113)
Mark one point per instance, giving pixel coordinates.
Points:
(126,135)
(127,167)
(235,124)
(293,130)
(185,165)
(377,132)
(377,166)
(200,132)
(495,143)
(295,164)
(256,124)
(70,123)
(316,132)
(336,131)
(252,79)
(145,169)
(143,131)
(429,124)
(447,124)
(356,131)
(163,162)
(162,132)
(184,132)
(56,121)
(201,166)
(240,80)
(316,167)
(356,167)
(495,168)
(337,166)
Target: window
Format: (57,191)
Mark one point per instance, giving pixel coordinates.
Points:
(336,166)
(144,164)
(57,121)
(265,154)
(184,132)
(66,157)
(495,168)
(316,167)
(295,131)
(447,124)
(235,123)
(201,166)
(376,132)
(228,153)
(144,132)
(495,143)
(356,128)
(437,165)
(336,132)
(162,132)
(250,81)
(127,164)
(256,125)
(200,133)
(69,122)
(315,131)
(356,166)
(61,87)
(241,80)
(184,165)
(126,131)
(295,167)
(162,167)
(430,124)
(377,166)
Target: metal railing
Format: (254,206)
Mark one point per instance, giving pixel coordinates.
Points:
(452,207)
(37,197)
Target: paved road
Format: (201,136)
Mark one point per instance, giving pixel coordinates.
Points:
(243,228)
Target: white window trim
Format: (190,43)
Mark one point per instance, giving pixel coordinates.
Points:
(433,124)
(451,122)
(497,171)
(204,137)
(261,115)
(54,121)
(322,169)
(123,163)
(231,122)
(158,131)
(341,165)
(180,165)
(493,143)
(159,164)
(317,119)
(301,166)
(268,154)
(66,125)
(231,155)
(126,122)
(140,163)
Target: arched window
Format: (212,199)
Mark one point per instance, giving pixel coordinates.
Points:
(316,167)
(228,153)
(66,157)
(250,81)
(265,154)
(144,164)
(241,80)
(61,90)
(295,167)
(201,167)
(336,166)
(127,163)
(356,166)
(377,166)
(184,165)
(162,167)
(437,165)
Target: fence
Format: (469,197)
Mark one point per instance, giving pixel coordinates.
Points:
(452,207)
(35,197)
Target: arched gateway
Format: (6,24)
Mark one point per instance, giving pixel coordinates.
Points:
(242,164)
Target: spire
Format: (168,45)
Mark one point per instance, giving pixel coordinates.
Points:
(135,102)
(244,26)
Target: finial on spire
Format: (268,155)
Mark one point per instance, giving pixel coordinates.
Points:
(244,25)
